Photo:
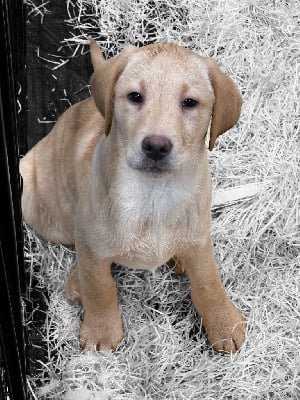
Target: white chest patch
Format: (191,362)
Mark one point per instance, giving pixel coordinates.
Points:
(151,217)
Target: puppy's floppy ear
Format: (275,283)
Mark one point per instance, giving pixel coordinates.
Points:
(104,79)
(228,102)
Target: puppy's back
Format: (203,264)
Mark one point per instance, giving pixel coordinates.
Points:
(54,167)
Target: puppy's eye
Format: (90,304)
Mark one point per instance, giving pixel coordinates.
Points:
(135,97)
(189,103)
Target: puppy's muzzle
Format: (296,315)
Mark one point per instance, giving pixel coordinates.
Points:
(156,147)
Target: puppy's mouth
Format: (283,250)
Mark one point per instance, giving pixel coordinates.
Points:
(154,168)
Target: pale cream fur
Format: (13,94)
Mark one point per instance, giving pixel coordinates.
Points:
(87,183)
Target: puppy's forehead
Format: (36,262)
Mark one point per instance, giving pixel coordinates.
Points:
(166,62)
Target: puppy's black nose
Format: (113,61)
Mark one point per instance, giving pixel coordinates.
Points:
(156,147)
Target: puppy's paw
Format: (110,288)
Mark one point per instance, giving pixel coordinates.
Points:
(225,327)
(101,333)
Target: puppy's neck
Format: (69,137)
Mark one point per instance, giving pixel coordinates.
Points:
(155,200)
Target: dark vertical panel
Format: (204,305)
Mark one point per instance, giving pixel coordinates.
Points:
(11,243)
(51,92)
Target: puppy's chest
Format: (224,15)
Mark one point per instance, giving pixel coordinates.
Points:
(148,245)
(151,225)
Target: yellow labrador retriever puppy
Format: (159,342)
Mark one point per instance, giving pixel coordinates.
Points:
(124,175)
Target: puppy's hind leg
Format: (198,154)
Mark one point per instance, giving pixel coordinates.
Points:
(178,268)
(72,286)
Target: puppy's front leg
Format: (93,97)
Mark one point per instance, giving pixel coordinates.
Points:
(92,284)
(224,324)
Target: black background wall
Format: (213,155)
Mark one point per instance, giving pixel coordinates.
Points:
(51,90)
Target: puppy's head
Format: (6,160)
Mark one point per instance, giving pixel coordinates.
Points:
(160,100)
